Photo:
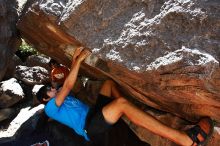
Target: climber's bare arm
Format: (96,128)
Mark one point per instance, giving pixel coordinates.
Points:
(71,78)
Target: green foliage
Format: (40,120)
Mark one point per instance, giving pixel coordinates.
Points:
(25,48)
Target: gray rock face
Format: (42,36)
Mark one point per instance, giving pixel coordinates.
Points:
(37,60)
(134,33)
(9,40)
(32,75)
(13,62)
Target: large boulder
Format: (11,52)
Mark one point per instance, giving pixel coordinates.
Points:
(9,38)
(129,37)
(164,54)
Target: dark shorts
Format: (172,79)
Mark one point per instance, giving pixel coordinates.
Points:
(95,122)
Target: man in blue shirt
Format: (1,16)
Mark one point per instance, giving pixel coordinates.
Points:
(110,106)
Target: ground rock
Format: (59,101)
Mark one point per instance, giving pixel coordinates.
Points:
(10,93)
(6,113)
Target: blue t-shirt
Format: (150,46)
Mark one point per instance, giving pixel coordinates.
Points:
(71,113)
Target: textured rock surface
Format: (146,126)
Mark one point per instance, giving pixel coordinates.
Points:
(14,61)
(37,60)
(9,40)
(8,95)
(163,53)
(32,75)
(133,32)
